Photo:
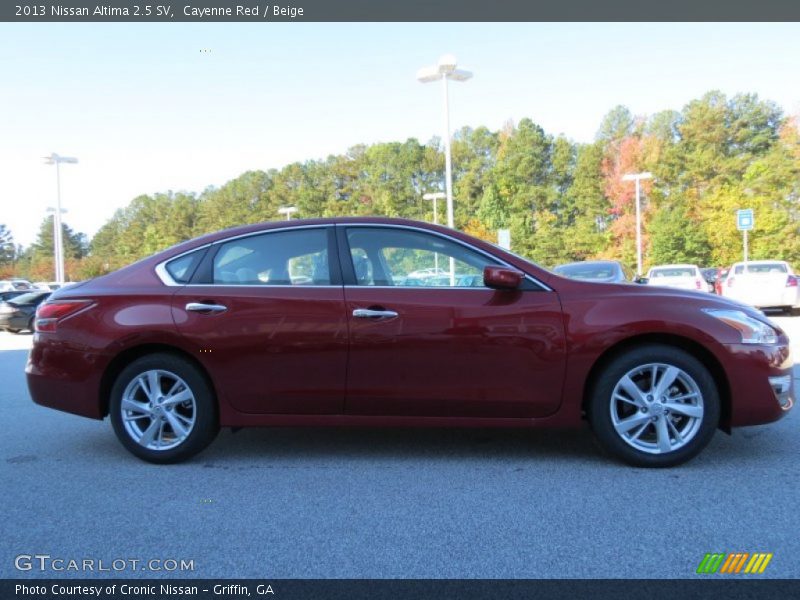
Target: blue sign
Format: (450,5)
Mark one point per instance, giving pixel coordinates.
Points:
(745,219)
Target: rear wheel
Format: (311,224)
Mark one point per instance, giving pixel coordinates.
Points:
(654,406)
(163,409)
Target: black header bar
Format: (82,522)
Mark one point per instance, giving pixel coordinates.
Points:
(410,589)
(259,11)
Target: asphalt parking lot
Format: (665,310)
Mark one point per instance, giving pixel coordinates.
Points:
(388,503)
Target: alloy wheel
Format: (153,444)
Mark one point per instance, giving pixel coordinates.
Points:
(656,408)
(158,409)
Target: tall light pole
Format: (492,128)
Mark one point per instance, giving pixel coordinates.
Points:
(445,70)
(435,196)
(58,243)
(288,211)
(637,177)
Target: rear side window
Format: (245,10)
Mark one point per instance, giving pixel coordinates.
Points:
(298,257)
(182,268)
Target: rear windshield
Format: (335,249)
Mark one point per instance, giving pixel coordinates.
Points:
(673,272)
(588,271)
(763,268)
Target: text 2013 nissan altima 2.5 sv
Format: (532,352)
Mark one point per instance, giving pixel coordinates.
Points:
(319,322)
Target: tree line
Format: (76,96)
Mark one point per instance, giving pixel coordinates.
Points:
(562,201)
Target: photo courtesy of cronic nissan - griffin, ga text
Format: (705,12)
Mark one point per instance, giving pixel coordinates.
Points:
(387,322)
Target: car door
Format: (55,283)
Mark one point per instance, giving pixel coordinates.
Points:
(265,313)
(427,344)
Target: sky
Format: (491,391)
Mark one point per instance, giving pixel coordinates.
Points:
(155,107)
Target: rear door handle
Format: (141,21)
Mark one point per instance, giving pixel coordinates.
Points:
(202,307)
(368,313)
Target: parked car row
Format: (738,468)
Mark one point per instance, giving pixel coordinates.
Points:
(23,285)
(767,284)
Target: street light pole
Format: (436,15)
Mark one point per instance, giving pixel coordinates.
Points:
(448,159)
(637,177)
(58,242)
(445,70)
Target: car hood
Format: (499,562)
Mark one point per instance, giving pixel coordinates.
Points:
(636,293)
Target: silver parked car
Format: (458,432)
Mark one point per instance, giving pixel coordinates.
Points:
(600,271)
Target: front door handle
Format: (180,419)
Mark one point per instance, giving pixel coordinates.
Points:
(368,313)
(202,307)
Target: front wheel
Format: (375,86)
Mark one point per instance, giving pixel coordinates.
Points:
(163,409)
(654,406)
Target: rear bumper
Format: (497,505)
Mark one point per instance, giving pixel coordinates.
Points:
(65,379)
(761,383)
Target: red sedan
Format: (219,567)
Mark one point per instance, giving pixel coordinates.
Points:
(382,322)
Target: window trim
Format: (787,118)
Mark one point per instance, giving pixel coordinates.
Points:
(165,276)
(342,272)
(349,276)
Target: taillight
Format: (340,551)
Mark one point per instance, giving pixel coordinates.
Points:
(698,284)
(49,314)
(791,281)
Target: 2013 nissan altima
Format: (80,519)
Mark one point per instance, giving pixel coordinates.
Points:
(318,322)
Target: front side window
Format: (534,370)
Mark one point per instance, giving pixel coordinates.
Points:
(297,257)
(407,258)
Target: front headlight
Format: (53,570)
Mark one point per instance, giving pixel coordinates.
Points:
(753,331)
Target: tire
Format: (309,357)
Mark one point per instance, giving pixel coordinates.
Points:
(176,423)
(635,431)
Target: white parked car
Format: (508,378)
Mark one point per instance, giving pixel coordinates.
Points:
(684,277)
(15,284)
(763,284)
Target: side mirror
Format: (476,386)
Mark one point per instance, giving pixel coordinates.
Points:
(502,278)
(641,280)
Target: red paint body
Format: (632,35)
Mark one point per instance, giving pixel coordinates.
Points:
(294,355)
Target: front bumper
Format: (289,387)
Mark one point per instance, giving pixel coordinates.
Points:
(761,383)
(783,388)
